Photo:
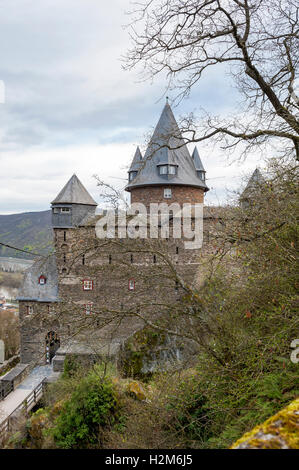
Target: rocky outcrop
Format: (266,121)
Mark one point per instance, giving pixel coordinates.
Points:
(281,431)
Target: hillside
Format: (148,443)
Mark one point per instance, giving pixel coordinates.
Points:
(30,231)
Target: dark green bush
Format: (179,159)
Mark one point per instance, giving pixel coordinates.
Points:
(92,405)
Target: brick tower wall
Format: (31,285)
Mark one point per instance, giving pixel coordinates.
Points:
(180,194)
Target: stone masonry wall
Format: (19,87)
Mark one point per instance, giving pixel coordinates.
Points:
(110,264)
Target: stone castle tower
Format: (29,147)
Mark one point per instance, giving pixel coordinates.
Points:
(167,173)
(91,296)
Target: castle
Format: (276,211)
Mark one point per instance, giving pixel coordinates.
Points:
(92,295)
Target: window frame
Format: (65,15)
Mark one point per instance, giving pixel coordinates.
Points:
(89,308)
(162,167)
(167,169)
(165,192)
(84,283)
(29,309)
(132,175)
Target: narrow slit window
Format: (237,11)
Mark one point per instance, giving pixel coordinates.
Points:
(83,260)
(64,236)
(155,259)
(131,284)
(132,259)
(110,259)
(64,258)
(177,250)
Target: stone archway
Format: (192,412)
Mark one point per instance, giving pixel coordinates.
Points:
(52,344)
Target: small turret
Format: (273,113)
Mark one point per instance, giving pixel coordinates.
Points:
(135,165)
(256,181)
(201,172)
(72,205)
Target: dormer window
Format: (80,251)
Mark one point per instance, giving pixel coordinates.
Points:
(42,280)
(201,174)
(132,175)
(168,169)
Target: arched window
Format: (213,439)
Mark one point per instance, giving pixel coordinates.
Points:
(42,280)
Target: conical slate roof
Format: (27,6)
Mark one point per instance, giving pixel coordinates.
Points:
(197,161)
(135,165)
(74,193)
(162,151)
(255,181)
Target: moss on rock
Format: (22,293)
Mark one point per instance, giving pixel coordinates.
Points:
(281,431)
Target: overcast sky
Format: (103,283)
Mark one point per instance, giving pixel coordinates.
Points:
(70,108)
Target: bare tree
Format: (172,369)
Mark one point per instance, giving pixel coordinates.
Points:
(257,40)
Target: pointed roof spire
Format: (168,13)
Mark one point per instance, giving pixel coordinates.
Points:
(135,165)
(197,161)
(74,193)
(167,147)
(256,177)
(255,182)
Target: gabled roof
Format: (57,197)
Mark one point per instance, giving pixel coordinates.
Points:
(32,290)
(74,193)
(136,162)
(165,148)
(197,161)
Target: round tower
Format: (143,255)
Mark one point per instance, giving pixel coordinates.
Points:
(167,172)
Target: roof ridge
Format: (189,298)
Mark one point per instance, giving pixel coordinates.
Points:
(74,192)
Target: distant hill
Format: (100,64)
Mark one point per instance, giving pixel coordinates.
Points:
(30,231)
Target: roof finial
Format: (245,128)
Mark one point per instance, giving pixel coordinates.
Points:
(167,98)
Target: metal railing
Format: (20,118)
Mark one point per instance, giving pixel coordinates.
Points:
(24,407)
